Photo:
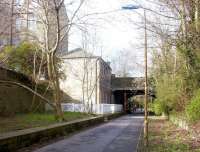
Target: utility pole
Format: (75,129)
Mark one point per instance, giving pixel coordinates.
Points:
(27,15)
(133,7)
(11,22)
(197,5)
(146,85)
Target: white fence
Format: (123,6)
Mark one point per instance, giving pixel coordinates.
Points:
(95,108)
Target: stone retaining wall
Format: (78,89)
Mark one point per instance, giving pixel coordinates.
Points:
(15,99)
(7,74)
(12,141)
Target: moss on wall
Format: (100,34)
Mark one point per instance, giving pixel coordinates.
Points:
(15,99)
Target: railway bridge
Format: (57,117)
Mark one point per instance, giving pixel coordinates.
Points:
(124,88)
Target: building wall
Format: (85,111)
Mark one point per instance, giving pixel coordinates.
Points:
(6,22)
(29,27)
(105,82)
(80,79)
(87,80)
(40,29)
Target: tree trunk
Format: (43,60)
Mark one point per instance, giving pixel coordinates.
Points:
(183,20)
(54,81)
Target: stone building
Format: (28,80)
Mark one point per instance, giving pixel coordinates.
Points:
(24,19)
(88,78)
(8,23)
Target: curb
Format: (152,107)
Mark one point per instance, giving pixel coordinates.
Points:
(13,141)
(139,141)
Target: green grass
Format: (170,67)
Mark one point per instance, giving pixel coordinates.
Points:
(31,120)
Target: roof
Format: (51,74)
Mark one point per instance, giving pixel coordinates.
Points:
(81,53)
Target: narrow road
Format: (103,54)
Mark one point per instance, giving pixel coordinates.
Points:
(119,135)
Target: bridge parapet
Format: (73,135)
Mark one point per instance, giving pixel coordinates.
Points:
(129,83)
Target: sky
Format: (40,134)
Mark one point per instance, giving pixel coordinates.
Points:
(115,34)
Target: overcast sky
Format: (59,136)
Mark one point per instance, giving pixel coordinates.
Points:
(113,34)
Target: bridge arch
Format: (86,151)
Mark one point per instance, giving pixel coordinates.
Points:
(124,88)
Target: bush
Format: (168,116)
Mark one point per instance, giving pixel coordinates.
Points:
(193,108)
(21,58)
(159,108)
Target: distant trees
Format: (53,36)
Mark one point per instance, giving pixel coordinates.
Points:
(125,63)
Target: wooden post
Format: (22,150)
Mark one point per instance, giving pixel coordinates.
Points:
(11,22)
(146,86)
(27,15)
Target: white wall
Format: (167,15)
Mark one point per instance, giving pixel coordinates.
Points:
(73,85)
(87,79)
(97,108)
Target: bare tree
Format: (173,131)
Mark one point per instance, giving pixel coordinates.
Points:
(53,25)
(52,33)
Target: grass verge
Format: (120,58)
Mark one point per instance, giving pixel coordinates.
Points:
(166,137)
(31,120)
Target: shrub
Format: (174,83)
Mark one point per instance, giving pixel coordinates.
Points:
(159,108)
(21,58)
(193,108)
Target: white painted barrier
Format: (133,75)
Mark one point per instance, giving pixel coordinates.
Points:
(95,108)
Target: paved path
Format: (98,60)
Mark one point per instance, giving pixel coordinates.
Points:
(119,135)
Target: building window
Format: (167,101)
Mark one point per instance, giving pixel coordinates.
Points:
(32,23)
(18,23)
(19,2)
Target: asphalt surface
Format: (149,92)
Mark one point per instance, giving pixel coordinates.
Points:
(119,135)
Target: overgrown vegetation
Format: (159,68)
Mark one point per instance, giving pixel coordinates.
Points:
(176,65)
(193,108)
(31,120)
(166,137)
